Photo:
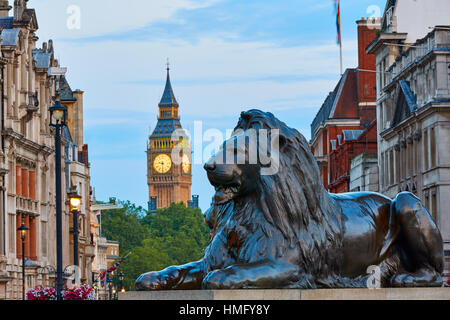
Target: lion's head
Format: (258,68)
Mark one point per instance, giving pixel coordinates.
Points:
(288,192)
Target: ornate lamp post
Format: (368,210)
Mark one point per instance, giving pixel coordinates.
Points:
(23,233)
(121,277)
(75,209)
(109,281)
(58,119)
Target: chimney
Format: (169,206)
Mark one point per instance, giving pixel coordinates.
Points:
(50,46)
(367,32)
(4,8)
(19,8)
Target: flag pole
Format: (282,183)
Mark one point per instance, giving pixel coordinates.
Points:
(340,54)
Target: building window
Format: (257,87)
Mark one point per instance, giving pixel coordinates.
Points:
(434,205)
(43,188)
(425,150)
(12,234)
(386,171)
(44,236)
(391,167)
(32,184)
(11,176)
(408,160)
(404,162)
(397,166)
(18,180)
(25,183)
(433,147)
(30,239)
(382,170)
(23,126)
(427,200)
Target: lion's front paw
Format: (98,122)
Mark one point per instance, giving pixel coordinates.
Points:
(217,280)
(149,281)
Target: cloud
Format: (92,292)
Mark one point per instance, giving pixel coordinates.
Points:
(107,16)
(219,74)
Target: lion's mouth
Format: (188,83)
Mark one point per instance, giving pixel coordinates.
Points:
(226,193)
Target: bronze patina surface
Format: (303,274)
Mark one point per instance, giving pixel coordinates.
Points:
(285,230)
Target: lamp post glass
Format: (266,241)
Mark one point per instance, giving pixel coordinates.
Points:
(23,231)
(58,114)
(75,208)
(75,202)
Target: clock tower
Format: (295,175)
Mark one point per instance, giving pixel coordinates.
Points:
(169,174)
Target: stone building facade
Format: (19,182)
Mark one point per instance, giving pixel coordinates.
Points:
(413,108)
(27,161)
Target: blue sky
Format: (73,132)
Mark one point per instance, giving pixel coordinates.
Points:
(226,56)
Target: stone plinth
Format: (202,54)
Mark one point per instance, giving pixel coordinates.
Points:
(291,294)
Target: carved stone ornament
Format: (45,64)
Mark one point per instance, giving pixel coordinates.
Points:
(417,135)
(403,143)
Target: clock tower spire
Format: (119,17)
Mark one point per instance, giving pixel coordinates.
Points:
(169,180)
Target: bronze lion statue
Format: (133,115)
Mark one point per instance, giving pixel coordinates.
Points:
(284,230)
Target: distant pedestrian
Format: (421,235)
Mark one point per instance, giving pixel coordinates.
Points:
(448,282)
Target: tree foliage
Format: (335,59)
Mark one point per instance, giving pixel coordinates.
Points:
(171,236)
(124,225)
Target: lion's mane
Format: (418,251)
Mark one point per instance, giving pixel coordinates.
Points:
(294,204)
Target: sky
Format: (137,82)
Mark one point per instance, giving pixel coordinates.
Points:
(226,56)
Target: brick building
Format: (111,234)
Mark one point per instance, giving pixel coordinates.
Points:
(345,125)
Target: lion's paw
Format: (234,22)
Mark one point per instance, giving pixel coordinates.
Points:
(148,281)
(423,278)
(216,280)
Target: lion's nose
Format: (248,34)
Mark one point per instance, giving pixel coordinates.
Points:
(210,166)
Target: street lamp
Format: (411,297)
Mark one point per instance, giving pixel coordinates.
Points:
(109,281)
(75,209)
(58,119)
(121,277)
(23,233)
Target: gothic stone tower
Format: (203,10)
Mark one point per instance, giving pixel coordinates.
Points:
(169,174)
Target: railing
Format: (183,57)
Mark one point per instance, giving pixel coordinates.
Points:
(27,205)
(413,54)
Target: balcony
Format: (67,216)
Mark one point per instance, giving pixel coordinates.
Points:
(27,206)
(414,54)
(89,251)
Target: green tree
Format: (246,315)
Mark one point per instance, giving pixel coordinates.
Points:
(123,225)
(172,236)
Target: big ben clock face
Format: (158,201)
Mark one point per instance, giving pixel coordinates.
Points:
(162,163)
(186,164)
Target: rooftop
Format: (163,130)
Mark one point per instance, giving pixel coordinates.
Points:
(168,98)
(10,37)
